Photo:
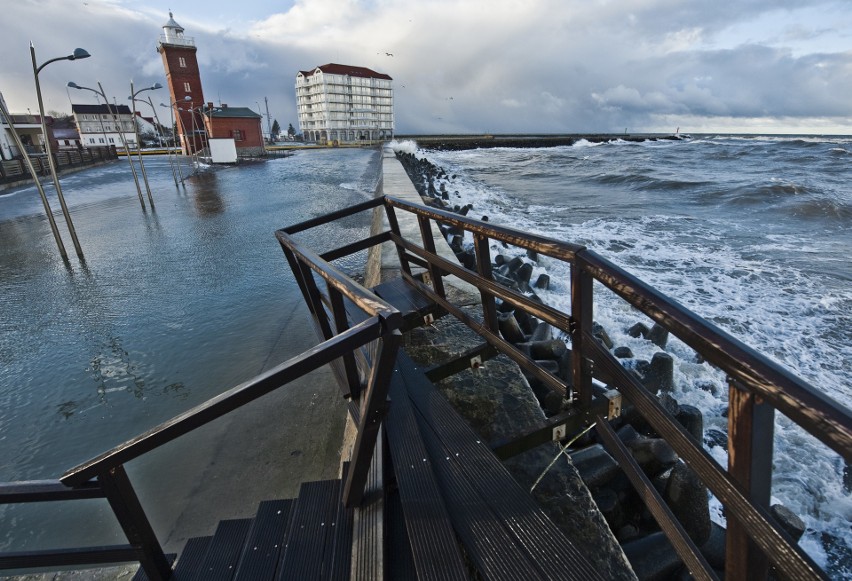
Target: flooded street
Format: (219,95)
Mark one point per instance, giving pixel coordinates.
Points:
(170,307)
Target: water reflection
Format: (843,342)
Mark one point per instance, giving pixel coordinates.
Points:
(168,309)
(208,200)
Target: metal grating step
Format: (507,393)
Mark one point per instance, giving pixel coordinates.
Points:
(223,552)
(433,543)
(265,541)
(308,553)
(191,557)
(341,563)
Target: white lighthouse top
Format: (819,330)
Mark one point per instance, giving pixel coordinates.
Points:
(173,33)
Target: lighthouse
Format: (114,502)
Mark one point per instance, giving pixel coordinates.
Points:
(184,81)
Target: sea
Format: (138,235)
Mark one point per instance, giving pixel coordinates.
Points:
(751,232)
(171,306)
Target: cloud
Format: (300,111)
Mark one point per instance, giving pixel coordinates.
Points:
(470,66)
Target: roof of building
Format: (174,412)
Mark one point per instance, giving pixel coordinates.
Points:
(221,112)
(172,24)
(100,109)
(351,70)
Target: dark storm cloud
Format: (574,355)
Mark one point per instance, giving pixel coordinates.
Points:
(497,66)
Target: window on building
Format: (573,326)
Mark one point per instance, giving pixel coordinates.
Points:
(91,140)
(187,88)
(111,140)
(182,62)
(100,140)
(237,135)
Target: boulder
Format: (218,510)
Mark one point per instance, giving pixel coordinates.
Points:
(654,455)
(788,520)
(658,335)
(510,329)
(542,282)
(623,352)
(600,333)
(691,418)
(687,497)
(553,349)
(607,501)
(653,558)
(543,332)
(595,465)
(638,330)
(660,374)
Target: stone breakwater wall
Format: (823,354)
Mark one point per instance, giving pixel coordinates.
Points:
(458,142)
(641,539)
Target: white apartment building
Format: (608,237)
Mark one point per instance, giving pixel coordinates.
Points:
(344,104)
(102,126)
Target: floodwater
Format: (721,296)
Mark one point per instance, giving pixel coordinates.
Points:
(170,307)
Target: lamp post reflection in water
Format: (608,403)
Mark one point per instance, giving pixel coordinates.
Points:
(78,53)
(114,112)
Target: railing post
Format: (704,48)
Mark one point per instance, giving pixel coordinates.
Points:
(483,267)
(390,212)
(131,517)
(373,408)
(581,320)
(341,324)
(429,245)
(750,443)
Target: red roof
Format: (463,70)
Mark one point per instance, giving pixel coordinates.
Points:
(352,71)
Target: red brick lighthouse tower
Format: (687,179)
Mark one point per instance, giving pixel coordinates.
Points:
(184,82)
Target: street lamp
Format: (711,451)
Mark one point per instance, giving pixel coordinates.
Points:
(78,53)
(132,98)
(114,112)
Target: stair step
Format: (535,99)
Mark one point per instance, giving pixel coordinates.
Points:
(343,530)
(266,540)
(223,553)
(191,557)
(309,553)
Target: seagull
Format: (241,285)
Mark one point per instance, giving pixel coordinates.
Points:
(389,54)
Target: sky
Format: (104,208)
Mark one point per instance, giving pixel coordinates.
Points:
(468,66)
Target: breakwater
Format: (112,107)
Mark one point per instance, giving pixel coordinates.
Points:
(460,142)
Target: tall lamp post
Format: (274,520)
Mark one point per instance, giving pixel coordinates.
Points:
(78,53)
(114,112)
(160,136)
(172,106)
(136,132)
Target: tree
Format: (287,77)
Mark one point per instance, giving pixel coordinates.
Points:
(290,131)
(275,128)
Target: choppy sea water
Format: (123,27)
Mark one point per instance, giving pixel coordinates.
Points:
(753,233)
